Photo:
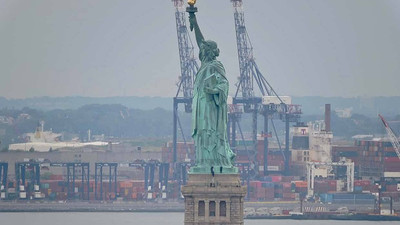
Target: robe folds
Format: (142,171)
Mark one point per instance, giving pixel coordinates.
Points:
(209,116)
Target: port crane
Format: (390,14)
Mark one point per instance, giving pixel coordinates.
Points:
(98,179)
(149,168)
(21,169)
(3,179)
(311,166)
(268,105)
(392,136)
(189,68)
(72,176)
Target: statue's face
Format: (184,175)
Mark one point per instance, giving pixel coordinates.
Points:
(208,50)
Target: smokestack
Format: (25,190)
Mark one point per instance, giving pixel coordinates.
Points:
(328,117)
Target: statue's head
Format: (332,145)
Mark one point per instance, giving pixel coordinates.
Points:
(208,50)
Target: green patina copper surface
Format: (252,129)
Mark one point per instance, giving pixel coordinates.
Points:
(210,110)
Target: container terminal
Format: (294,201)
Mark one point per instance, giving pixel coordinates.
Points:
(302,173)
(323,179)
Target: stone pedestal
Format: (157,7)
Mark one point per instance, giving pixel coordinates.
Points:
(214,199)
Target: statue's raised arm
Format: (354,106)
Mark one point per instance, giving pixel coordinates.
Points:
(194,25)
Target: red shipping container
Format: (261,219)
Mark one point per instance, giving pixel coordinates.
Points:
(301,190)
(392,159)
(391,188)
(289,195)
(301,184)
(276,178)
(286,185)
(56,177)
(362,183)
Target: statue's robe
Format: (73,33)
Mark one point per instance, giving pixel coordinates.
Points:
(210,117)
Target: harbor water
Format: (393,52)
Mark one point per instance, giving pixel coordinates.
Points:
(39,218)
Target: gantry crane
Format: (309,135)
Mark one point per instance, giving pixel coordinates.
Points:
(112,179)
(311,166)
(392,136)
(3,179)
(189,68)
(251,76)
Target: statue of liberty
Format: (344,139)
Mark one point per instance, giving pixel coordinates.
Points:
(209,117)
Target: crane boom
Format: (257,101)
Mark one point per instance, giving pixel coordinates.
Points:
(189,68)
(249,72)
(392,136)
(187,60)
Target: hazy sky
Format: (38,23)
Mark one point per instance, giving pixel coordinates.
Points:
(129,47)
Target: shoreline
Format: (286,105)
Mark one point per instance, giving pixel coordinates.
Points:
(353,217)
(165,207)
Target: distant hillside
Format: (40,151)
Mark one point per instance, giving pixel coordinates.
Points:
(75,102)
(112,120)
(311,105)
(369,106)
(118,121)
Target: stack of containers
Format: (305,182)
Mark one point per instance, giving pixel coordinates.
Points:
(56,177)
(392,189)
(45,188)
(125,189)
(289,178)
(378,157)
(275,159)
(138,189)
(173,190)
(288,195)
(261,191)
(325,186)
(392,162)
(362,186)
(276,178)
(252,190)
(181,151)
(342,198)
(301,187)
(280,188)
(321,186)
(242,156)
(269,189)
(371,160)
(278,193)
(349,152)
(332,185)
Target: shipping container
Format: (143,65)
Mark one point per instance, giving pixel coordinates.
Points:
(300,184)
(276,178)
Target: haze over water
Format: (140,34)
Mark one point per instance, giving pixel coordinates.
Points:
(144,219)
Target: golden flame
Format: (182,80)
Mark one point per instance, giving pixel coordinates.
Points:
(191,2)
